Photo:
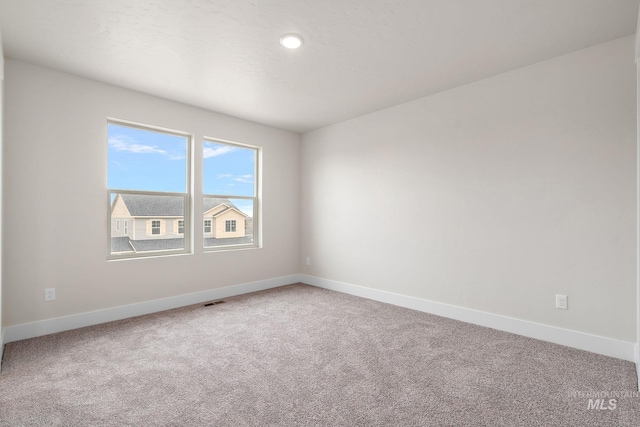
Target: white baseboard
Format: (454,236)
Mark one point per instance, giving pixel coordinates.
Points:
(637,351)
(580,340)
(75,321)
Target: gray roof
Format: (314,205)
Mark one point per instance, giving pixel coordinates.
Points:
(147,205)
(210,242)
(210,203)
(125,244)
(151,205)
(121,244)
(160,206)
(157,244)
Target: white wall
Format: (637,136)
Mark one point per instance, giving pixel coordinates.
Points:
(1,150)
(637,347)
(55,199)
(493,196)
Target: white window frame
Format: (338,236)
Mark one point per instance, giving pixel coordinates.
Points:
(117,225)
(178,226)
(230,226)
(257,193)
(159,227)
(204,225)
(187,196)
(125,228)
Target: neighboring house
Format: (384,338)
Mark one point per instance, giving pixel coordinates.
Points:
(146,217)
(222,219)
(141,222)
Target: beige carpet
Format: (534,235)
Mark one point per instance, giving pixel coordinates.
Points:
(302,356)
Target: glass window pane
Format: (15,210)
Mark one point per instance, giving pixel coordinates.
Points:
(146,160)
(230,220)
(228,169)
(152,222)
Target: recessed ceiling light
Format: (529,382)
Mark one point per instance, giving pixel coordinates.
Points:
(291,41)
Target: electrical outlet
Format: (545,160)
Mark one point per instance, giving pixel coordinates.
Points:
(562,302)
(50,294)
(308,261)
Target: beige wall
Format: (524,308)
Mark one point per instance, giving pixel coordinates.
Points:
(512,189)
(508,190)
(56,150)
(2,323)
(638,204)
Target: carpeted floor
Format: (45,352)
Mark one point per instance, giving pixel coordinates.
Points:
(303,356)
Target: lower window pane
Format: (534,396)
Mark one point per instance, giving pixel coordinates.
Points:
(227,222)
(151,223)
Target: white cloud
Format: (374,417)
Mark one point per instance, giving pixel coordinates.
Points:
(129,144)
(246,179)
(123,143)
(217,151)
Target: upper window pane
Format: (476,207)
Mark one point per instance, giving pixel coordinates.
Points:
(142,159)
(229,169)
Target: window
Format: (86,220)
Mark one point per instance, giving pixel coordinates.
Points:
(230,190)
(148,182)
(230,226)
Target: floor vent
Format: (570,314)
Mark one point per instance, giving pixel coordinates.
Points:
(213,303)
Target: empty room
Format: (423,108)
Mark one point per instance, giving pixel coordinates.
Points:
(319,213)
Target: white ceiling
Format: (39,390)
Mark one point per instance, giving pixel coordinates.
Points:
(359,55)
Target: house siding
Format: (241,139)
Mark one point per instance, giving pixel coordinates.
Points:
(174,224)
(120,213)
(168,229)
(117,231)
(219,225)
(212,232)
(120,209)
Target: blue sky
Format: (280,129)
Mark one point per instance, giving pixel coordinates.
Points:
(154,161)
(228,169)
(145,160)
